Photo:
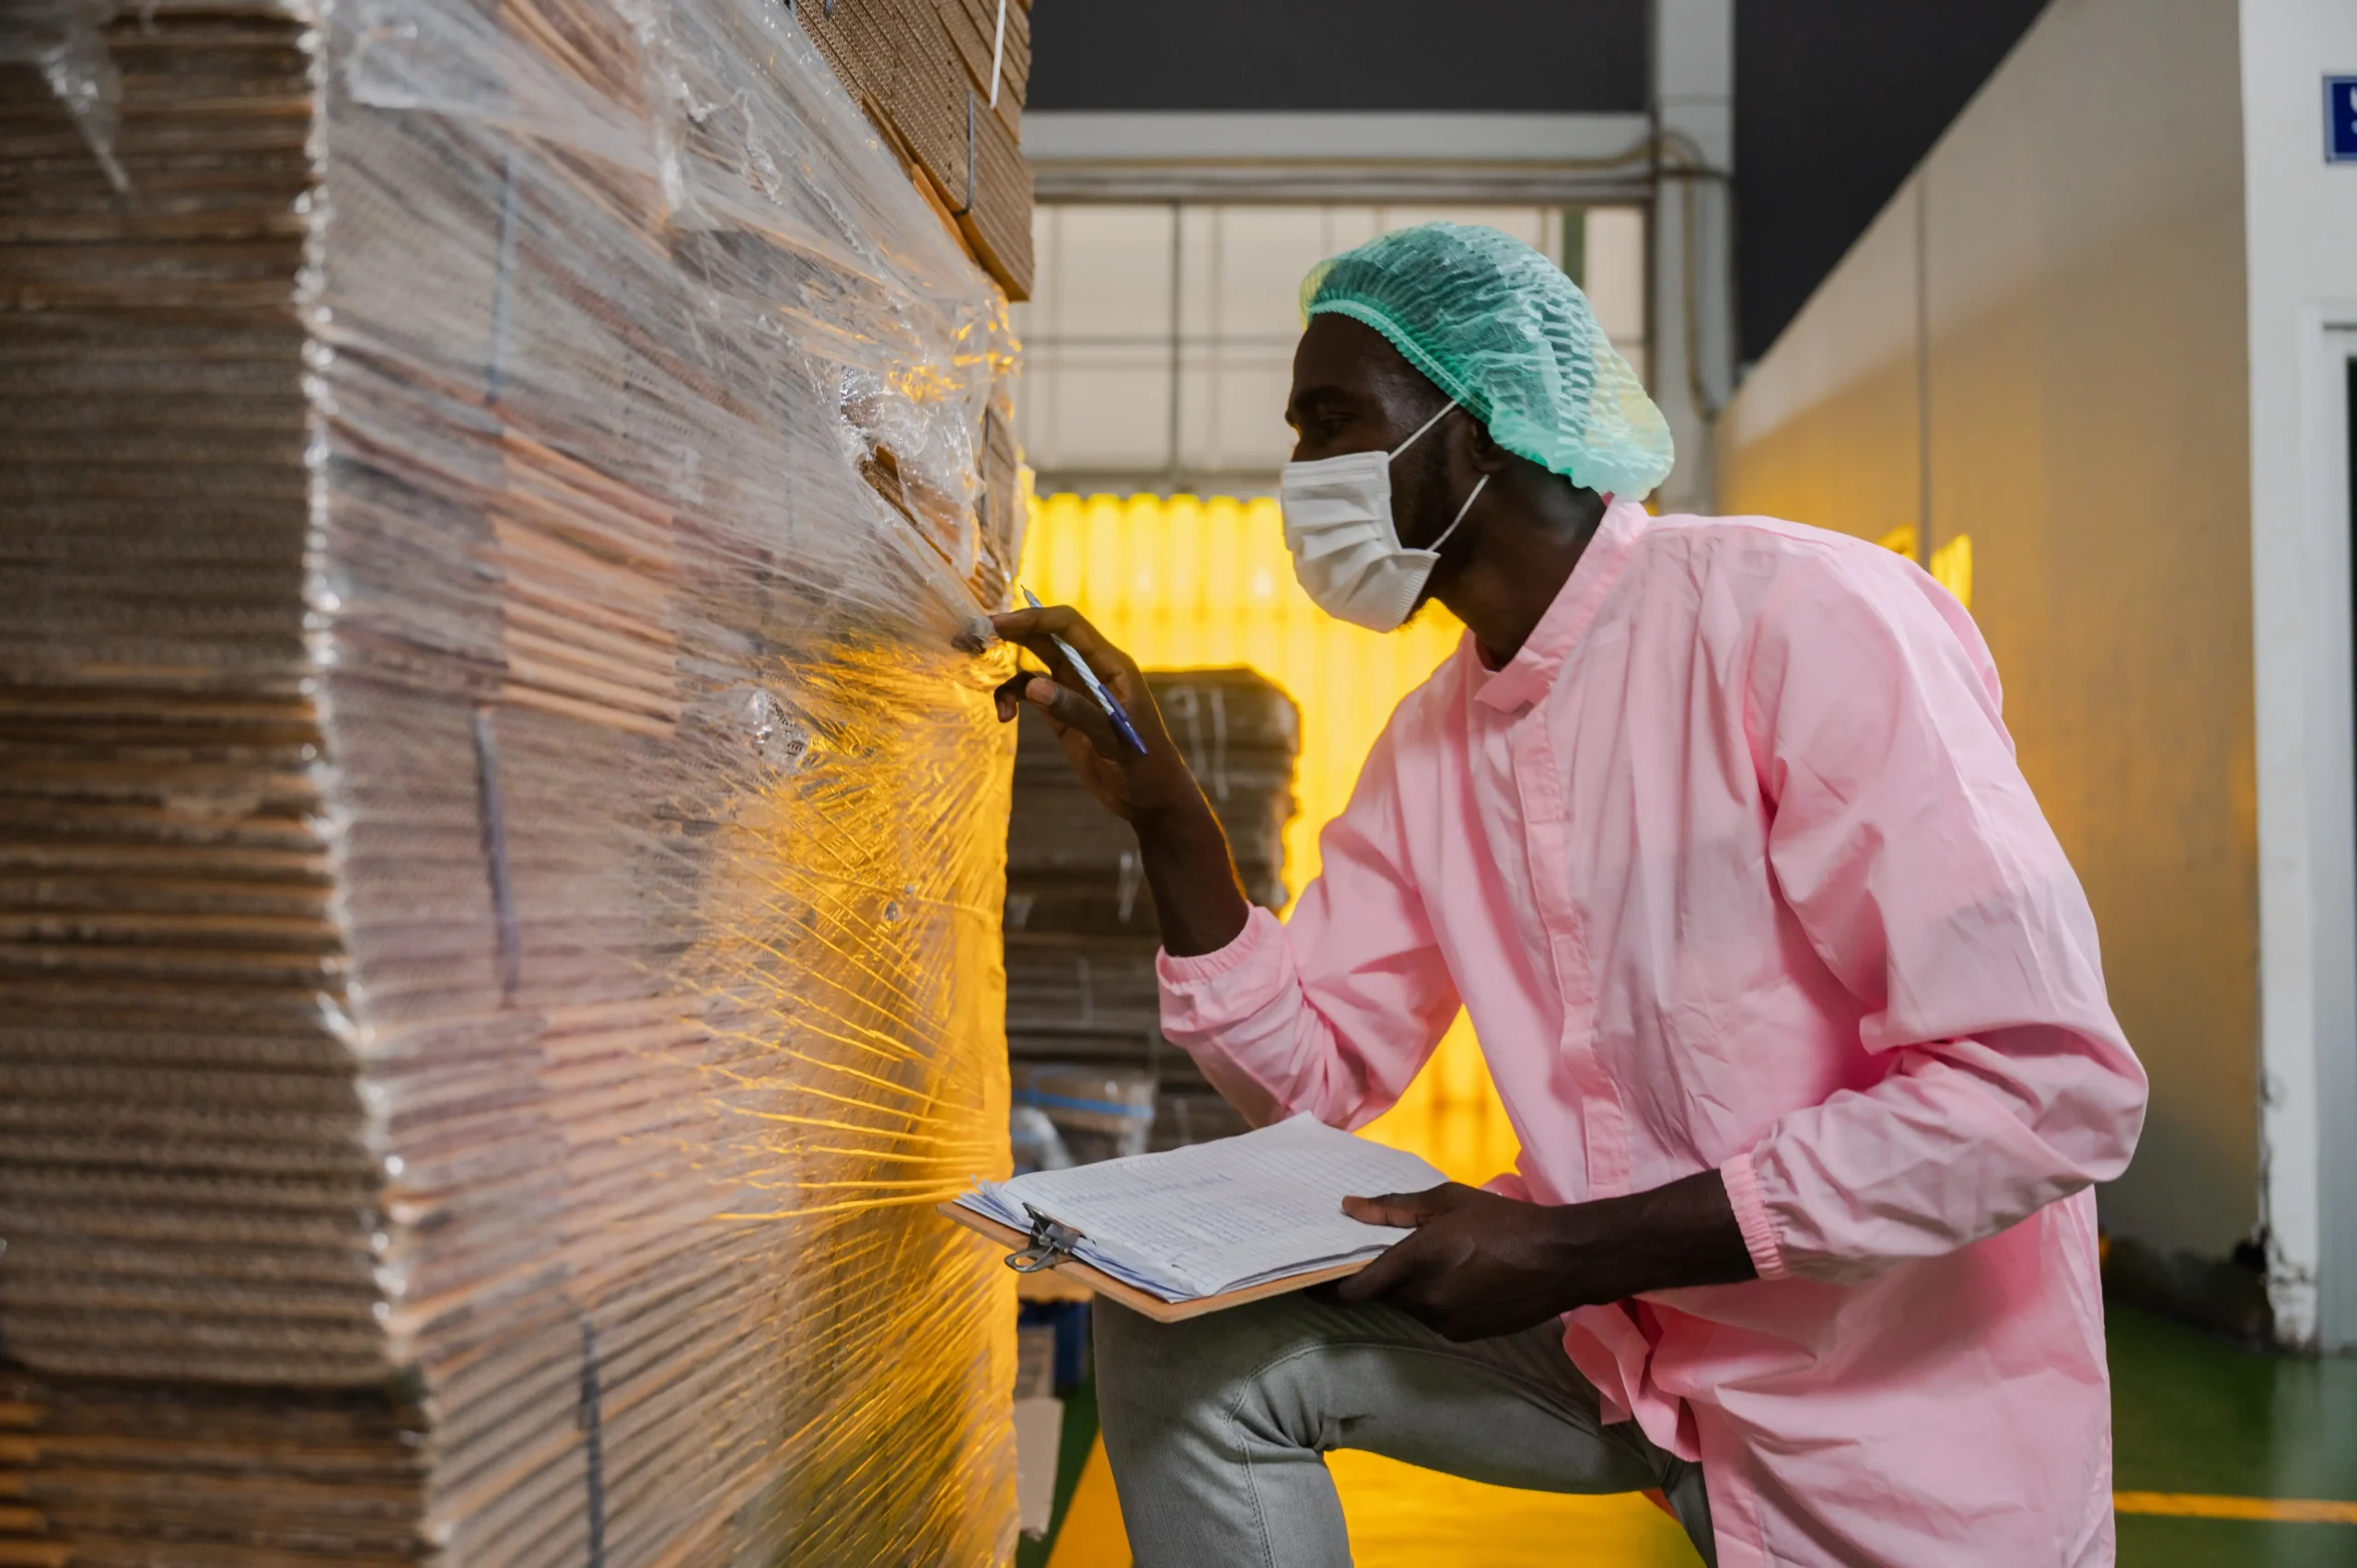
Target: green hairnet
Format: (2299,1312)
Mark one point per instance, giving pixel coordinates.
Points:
(1498,326)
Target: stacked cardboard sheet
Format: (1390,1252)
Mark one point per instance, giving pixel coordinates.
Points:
(1081,932)
(134,1473)
(500,859)
(184,1142)
(944,80)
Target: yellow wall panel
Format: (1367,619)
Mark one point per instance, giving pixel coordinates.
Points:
(1191,581)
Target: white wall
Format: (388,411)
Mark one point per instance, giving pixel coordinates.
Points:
(2302,240)
(2041,344)
(1827,428)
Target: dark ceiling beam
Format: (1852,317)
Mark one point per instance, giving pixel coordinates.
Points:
(1835,101)
(1527,56)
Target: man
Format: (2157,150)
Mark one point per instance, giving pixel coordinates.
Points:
(1713,826)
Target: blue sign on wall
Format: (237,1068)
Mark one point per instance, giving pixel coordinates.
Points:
(2340,119)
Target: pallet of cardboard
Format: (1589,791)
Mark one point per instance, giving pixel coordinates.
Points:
(495,794)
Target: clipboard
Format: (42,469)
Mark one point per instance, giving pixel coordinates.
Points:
(1144,1301)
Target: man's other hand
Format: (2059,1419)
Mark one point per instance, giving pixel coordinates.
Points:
(1478,1265)
(1481,1264)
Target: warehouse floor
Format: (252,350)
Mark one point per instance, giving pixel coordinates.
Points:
(2224,1457)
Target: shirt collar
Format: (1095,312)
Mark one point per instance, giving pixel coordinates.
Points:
(1526,676)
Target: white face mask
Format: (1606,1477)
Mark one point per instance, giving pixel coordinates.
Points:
(1345,545)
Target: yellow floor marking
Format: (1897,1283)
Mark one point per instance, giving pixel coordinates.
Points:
(1404,1517)
(1092,1535)
(2194,1506)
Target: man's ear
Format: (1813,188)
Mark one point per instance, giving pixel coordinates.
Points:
(1488,456)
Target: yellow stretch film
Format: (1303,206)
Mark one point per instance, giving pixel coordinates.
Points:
(1191,581)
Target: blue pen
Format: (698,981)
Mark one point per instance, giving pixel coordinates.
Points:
(1105,698)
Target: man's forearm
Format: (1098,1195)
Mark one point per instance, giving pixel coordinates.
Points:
(1681,1234)
(1196,894)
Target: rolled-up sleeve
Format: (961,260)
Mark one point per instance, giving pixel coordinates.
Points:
(1908,844)
(1332,1011)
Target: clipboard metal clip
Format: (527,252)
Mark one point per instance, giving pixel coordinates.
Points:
(1051,1243)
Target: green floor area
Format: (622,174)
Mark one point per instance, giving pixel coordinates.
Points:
(2194,1416)
(2233,1544)
(2191,1413)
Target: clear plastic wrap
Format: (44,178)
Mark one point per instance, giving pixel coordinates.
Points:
(60,39)
(508,855)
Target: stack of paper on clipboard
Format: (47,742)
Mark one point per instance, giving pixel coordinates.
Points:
(1193,1230)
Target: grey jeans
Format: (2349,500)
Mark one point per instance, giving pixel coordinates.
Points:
(1217,1427)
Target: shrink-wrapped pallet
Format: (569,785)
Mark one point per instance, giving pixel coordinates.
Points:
(501,849)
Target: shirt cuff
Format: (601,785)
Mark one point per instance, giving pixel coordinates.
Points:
(1176,973)
(1742,1178)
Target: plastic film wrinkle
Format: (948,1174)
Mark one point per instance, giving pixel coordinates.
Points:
(62,38)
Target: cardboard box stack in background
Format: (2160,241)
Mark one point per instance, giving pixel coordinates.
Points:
(501,856)
(1082,1004)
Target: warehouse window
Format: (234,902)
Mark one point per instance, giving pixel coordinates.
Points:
(1159,341)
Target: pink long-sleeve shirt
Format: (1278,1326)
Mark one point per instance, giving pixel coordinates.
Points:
(1733,867)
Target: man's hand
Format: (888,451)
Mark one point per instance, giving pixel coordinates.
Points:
(1481,1264)
(1478,1264)
(1197,896)
(1134,788)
